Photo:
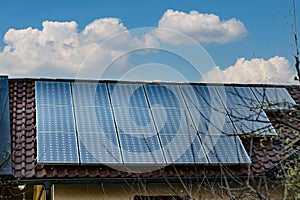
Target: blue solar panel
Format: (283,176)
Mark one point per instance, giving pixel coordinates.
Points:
(3,90)
(52,93)
(214,122)
(134,120)
(167,96)
(243,109)
(99,148)
(238,97)
(57,148)
(201,96)
(5,137)
(252,121)
(98,141)
(127,95)
(139,148)
(224,149)
(172,120)
(94,119)
(90,94)
(55,119)
(56,132)
(274,98)
(183,149)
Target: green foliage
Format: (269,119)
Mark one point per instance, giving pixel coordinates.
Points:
(293,180)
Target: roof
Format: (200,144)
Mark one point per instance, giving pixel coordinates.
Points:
(266,153)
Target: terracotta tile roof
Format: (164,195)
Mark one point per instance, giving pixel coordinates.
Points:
(22,116)
(265,152)
(294,92)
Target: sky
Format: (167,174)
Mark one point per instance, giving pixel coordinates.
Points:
(171,40)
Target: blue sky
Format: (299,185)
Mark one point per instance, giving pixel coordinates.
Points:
(267,32)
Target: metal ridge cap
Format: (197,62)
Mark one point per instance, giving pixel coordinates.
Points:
(153,82)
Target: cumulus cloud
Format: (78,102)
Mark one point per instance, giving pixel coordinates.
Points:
(257,70)
(59,49)
(204,28)
(101,29)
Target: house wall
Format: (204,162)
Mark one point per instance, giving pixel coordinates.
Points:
(38,192)
(114,191)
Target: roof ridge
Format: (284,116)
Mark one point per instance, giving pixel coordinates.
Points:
(154,82)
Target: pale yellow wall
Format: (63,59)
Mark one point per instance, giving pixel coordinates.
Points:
(113,191)
(38,190)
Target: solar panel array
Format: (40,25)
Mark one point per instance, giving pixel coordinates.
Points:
(131,123)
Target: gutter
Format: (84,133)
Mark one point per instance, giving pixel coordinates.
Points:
(43,181)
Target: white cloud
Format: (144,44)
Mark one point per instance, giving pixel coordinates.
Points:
(205,28)
(257,70)
(59,48)
(101,29)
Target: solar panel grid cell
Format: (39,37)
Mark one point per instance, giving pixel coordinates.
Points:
(210,121)
(183,148)
(172,120)
(139,148)
(90,94)
(225,149)
(127,95)
(251,121)
(55,119)
(134,120)
(166,96)
(53,93)
(59,147)
(273,98)
(94,119)
(239,97)
(99,148)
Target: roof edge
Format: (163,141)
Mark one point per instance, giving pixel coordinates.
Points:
(155,82)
